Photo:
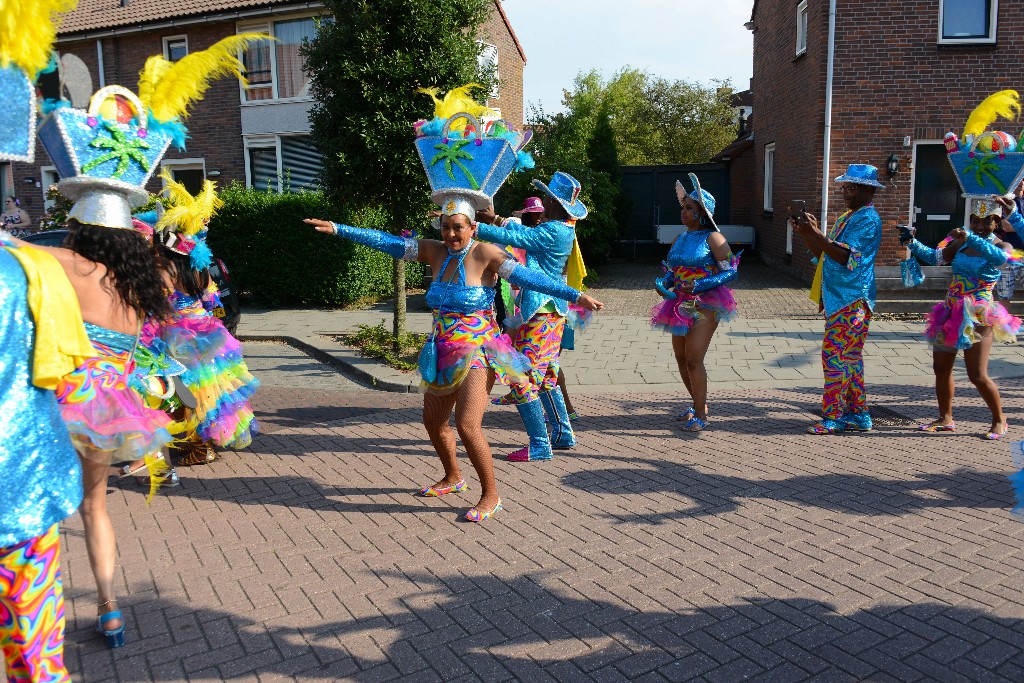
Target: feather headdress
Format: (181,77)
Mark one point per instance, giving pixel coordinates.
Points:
(27,31)
(1005,103)
(167,89)
(457,100)
(188,215)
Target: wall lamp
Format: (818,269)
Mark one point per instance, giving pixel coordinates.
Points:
(892,165)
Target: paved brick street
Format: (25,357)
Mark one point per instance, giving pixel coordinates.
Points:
(748,551)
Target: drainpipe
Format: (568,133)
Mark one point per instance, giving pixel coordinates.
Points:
(99,60)
(828,113)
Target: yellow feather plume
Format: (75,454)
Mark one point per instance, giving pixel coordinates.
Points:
(167,88)
(1005,103)
(189,214)
(158,469)
(27,31)
(457,100)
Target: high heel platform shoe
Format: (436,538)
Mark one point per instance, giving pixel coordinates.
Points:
(115,637)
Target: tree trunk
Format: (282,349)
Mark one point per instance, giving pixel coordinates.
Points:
(399,319)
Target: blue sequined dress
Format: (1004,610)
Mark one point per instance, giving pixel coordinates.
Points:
(690,260)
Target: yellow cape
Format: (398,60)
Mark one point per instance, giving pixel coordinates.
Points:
(575,269)
(815,293)
(61,343)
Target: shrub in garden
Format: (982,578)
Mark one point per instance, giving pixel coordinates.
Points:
(276,259)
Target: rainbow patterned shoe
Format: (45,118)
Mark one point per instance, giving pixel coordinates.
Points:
(506,400)
(436,491)
(474,514)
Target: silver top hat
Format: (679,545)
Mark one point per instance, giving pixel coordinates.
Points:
(102,201)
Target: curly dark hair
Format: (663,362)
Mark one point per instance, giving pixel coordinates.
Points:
(132,268)
(186,278)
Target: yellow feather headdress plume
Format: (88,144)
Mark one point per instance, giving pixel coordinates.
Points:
(457,100)
(167,89)
(188,215)
(1005,103)
(27,31)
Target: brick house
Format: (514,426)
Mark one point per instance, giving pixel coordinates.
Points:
(258,135)
(904,72)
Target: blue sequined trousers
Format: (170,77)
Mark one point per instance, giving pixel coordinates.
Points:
(40,475)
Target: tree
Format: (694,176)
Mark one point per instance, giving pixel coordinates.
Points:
(365,67)
(656,120)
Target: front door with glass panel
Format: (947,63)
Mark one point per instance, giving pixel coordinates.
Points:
(936,203)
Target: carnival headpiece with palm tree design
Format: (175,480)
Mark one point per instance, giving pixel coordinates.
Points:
(106,154)
(467,156)
(987,162)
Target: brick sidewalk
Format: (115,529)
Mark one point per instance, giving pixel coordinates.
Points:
(749,550)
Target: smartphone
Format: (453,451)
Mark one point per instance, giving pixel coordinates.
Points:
(798,211)
(906,233)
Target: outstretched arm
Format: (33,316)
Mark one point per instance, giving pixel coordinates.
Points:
(507,268)
(406,248)
(515,235)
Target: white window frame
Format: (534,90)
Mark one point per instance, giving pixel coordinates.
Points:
(769,177)
(991,38)
(801,27)
(262,142)
(167,41)
(267,26)
(485,47)
(48,176)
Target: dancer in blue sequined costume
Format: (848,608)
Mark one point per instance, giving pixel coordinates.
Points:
(471,351)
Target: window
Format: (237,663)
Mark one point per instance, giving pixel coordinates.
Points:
(967,21)
(274,70)
(6,181)
(487,61)
(801,28)
(769,172)
(189,172)
(175,47)
(49,177)
(282,163)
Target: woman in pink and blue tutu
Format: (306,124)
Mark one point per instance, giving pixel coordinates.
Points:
(969,319)
(696,299)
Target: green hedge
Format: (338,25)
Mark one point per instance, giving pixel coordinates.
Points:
(275,259)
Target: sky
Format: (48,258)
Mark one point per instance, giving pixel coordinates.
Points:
(692,40)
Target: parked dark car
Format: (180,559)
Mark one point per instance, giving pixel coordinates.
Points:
(229,310)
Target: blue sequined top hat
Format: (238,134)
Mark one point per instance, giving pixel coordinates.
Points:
(465,167)
(565,189)
(699,195)
(860,174)
(104,155)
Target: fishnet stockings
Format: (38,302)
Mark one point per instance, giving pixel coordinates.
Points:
(469,402)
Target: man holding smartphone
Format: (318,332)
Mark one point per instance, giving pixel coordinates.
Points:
(844,287)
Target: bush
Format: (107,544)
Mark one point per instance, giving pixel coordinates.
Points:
(378,342)
(276,259)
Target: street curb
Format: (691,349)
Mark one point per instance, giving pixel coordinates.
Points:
(343,360)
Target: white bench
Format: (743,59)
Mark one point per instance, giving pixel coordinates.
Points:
(735,234)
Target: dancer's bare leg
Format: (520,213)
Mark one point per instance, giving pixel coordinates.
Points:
(565,392)
(976,359)
(942,365)
(100,541)
(698,341)
(469,418)
(437,411)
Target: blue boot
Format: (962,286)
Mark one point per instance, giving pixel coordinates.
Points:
(858,422)
(561,429)
(540,446)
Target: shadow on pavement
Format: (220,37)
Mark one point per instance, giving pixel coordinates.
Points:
(433,626)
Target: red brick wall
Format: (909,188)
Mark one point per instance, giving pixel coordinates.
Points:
(789,107)
(510,68)
(891,80)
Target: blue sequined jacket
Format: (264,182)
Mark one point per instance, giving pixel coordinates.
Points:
(547,246)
